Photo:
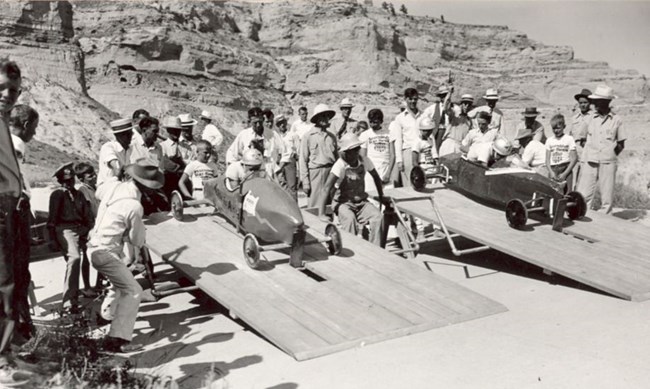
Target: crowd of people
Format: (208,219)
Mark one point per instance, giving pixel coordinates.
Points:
(96,216)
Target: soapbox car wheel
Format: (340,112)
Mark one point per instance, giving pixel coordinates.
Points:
(334,244)
(418,178)
(579,207)
(252,251)
(516,213)
(176,201)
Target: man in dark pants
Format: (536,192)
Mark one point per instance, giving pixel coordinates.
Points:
(12,211)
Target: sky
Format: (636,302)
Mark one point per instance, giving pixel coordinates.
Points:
(614,31)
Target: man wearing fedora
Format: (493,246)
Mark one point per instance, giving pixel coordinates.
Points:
(187,141)
(491,98)
(116,154)
(173,161)
(438,113)
(458,127)
(344,124)
(530,122)
(119,220)
(605,141)
(318,152)
(579,123)
(68,220)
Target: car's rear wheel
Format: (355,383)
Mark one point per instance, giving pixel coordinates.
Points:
(516,213)
(334,244)
(418,179)
(251,251)
(177,205)
(578,207)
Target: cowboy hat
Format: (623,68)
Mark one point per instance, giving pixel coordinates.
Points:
(172,122)
(583,93)
(146,173)
(530,112)
(346,103)
(467,97)
(603,92)
(186,120)
(523,133)
(349,141)
(64,172)
(206,115)
(322,110)
(121,125)
(491,94)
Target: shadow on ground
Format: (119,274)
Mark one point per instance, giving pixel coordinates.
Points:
(194,374)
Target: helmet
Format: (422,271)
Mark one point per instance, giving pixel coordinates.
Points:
(502,146)
(426,124)
(252,157)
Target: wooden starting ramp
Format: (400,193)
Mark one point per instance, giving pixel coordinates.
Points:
(362,296)
(601,251)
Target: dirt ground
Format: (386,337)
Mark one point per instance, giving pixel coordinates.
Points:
(556,334)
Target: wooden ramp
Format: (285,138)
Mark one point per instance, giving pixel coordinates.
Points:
(601,251)
(363,296)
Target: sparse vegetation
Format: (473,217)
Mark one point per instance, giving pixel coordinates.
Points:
(403,10)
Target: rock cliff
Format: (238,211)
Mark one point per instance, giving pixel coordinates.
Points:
(87,62)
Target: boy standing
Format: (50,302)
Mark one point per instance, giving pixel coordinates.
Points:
(87,186)
(351,200)
(197,171)
(424,151)
(68,221)
(561,154)
(378,144)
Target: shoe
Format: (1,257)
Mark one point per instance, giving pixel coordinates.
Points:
(88,293)
(136,268)
(100,321)
(11,377)
(118,345)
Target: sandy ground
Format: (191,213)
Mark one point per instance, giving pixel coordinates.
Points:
(557,334)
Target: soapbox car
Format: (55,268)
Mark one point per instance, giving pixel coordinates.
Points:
(266,215)
(522,192)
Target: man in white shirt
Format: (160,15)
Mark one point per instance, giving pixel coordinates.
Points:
(114,155)
(211,133)
(288,173)
(301,126)
(533,155)
(491,98)
(489,153)
(482,133)
(147,146)
(344,123)
(407,132)
(119,220)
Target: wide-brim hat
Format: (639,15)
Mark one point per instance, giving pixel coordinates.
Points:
(530,112)
(346,103)
(186,120)
(442,90)
(172,122)
(121,125)
(603,92)
(349,141)
(491,94)
(206,115)
(146,174)
(583,93)
(523,133)
(322,110)
(467,97)
(65,171)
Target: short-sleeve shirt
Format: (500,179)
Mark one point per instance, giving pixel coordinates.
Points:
(212,134)
(534,154)
(560,149)
(476,136)
(427,154)
(111,151)
(351,180)
(480,152)
(377,144)
(198,172)
(603,134)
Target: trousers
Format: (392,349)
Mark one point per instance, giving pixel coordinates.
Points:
(127,291)
(8,235)
(317,179)
(351,215)
(601,175)
(68,238)
(288,178)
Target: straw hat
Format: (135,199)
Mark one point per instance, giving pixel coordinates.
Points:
(348,142)
(491,94)
(467,97)
(322,110)
(121,125)
(206,115)
(172,122)
(603,92)
(280,118)
(186,120)
(442,90)
(146,174)
(346,103)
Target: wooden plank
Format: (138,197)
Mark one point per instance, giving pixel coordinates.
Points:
(623,273)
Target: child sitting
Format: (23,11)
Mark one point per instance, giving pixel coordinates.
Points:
(237,171)
(561,155)
(351,200)
(69,220)
(197,171)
